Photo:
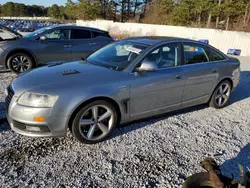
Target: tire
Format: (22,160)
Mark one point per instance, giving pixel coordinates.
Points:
(94,130)
(218,99)
(20,62)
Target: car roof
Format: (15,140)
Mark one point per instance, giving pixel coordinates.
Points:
(76,27)
(155,40)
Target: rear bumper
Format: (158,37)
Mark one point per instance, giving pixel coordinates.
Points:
(2,59)
(236,78)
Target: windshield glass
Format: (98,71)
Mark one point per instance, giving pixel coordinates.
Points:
(37,32)
(116,56)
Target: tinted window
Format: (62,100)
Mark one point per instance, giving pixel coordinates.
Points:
(195,53)
(80,34)
(166,56)
(97,34)
(215,56)
(58,34)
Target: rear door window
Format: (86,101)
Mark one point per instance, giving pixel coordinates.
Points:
(80,34)
(215,56)
(195,53)
(97,34)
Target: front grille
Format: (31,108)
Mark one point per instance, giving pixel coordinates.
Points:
(9,97)
(22,126)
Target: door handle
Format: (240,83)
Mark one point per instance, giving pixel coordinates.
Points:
(215,70)
(92,43)
(67,46)
(178,76)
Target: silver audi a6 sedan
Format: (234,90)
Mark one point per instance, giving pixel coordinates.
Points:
(127,80)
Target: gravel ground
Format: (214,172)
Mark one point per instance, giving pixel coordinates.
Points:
(157,152)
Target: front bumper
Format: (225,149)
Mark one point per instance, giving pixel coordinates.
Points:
(21,120)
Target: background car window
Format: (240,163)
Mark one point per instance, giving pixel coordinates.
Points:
(195,54)
(58,34)
(215,56)
(166,56)
(80,34)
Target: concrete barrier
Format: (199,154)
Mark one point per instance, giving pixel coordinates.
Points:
(223,40)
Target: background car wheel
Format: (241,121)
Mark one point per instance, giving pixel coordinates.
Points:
(221,95)
(20,62)
(94,122)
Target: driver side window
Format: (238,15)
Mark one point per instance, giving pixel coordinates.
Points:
(58,34)
(168,55)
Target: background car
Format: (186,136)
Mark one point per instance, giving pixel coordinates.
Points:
(55,43)
(124,81)
(26,25)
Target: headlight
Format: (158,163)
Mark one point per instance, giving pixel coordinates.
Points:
(37,100)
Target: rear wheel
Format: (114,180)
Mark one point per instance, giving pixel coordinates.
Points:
(94,122)
(20,62)
(221,95)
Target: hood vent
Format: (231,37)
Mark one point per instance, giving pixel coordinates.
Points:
(55,64)
(68,72)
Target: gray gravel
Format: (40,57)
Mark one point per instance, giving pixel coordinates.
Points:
(158,152)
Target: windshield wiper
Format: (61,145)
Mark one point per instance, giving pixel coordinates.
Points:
(102,65)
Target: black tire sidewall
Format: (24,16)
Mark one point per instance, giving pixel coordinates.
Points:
(75,126)
(213,99)
(10,66)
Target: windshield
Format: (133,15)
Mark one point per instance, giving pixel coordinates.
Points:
(116,56)
(37,32)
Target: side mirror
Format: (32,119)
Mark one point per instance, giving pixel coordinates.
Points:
(42,38)
(147,66)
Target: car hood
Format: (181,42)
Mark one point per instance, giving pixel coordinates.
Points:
(71,74)
(12,32)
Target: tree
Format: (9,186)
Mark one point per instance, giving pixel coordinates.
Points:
(8,9)
(54,11)
(218,13)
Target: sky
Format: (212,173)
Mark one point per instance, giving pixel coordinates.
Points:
(37,2)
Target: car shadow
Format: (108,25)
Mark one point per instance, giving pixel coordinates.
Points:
(242,92)
(4,125)
(230,166)
(137,124)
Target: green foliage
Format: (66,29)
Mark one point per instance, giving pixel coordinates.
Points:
(175,12)
(19,9)
(87,9)
(54,11)
(233,7)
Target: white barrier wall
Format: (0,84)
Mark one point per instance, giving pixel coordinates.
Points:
(26,18)
(222,40)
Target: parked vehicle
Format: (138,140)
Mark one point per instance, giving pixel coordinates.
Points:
(26,25)
(124,81)
(55,43)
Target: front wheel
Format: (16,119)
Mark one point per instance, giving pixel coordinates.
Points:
(94,122)
(221,95)
(20,62)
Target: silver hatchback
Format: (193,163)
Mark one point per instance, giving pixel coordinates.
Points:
(127,80)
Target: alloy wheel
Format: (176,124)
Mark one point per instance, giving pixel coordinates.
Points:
(223,94)
(21,64)
(96,122)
